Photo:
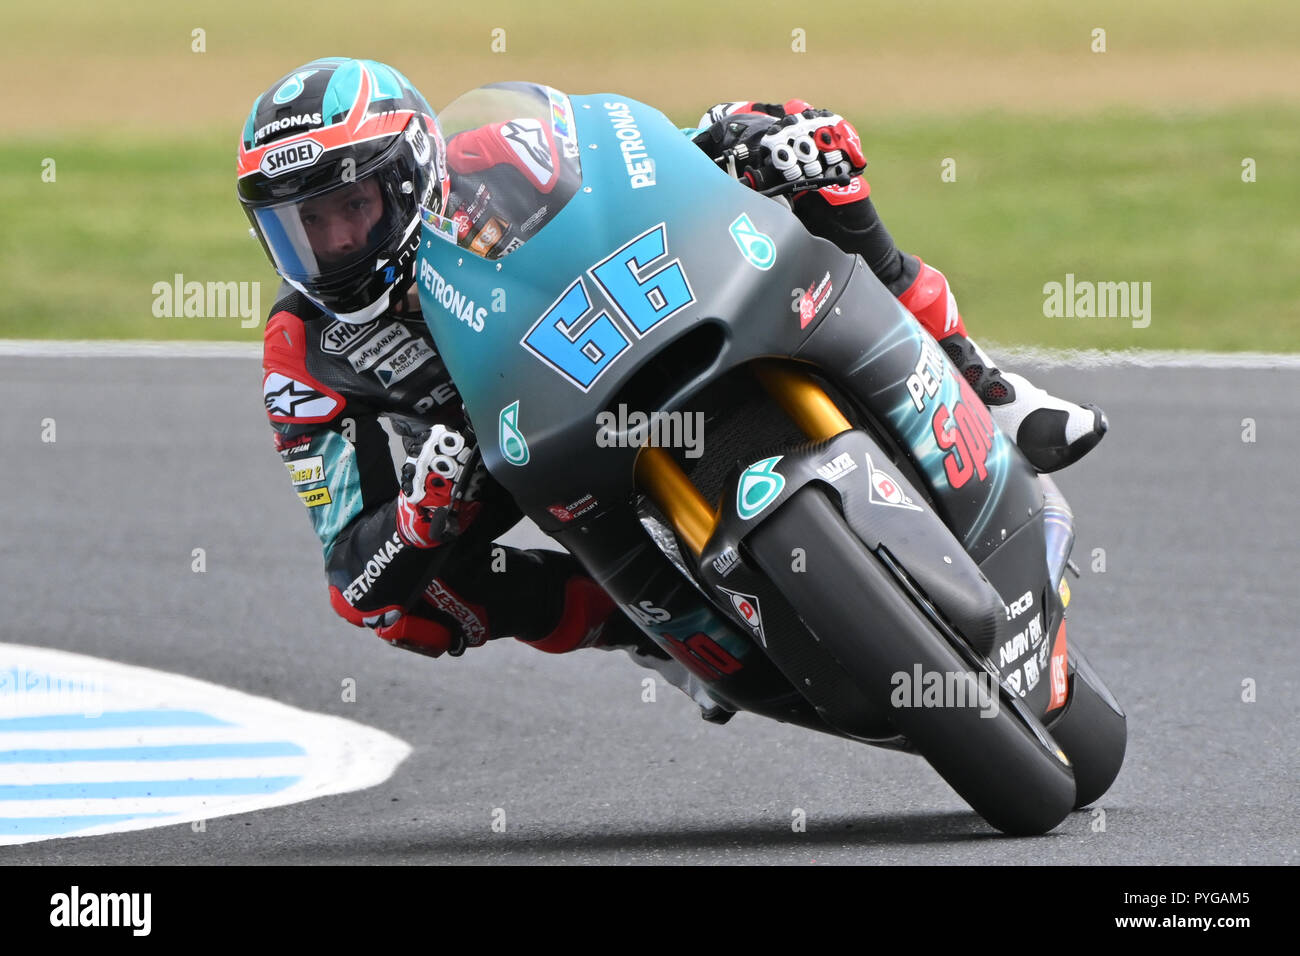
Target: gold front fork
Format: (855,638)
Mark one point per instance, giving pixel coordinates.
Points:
(694,519)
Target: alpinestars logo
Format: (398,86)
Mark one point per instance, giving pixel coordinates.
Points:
(530,144)
(288,398)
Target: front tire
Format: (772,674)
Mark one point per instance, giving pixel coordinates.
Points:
(854,606)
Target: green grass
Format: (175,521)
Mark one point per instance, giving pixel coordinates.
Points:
(1123,197)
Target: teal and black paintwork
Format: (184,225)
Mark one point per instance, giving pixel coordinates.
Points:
(646,292)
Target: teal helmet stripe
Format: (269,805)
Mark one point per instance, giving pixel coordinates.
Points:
(341,92)
(385,83)
(248,123)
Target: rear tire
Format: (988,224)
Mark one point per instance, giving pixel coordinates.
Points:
(854,606)
(1093,732)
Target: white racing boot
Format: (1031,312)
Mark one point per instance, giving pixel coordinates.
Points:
(1051,432)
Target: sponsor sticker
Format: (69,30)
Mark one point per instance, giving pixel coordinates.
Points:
(403,362)
(439,224)
(420,148)
(812,300)
(514,447)
(726,562)
(757,247)
(376,347)
(759,486)
(746,606)
(306,470)
(885,489)
(287,122)
(837,467)
(290,446)
(284,159)
(315,497)
(574,509)
(489,236)
(1059,674)
(338,337)
(292,88)
(562,123)
(924,382)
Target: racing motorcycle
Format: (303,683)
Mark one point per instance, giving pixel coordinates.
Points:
(854,547)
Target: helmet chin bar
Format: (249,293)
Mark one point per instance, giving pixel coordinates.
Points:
(359,317)
(384,302)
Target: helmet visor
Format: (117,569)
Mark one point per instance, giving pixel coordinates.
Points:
(327,235)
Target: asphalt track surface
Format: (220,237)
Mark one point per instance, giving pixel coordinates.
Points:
(155,457)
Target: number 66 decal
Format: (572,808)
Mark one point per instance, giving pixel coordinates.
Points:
(644,298)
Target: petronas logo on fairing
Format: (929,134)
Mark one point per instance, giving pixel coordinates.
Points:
(759,487)
(514,448)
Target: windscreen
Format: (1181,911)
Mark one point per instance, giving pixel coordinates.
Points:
(513,156)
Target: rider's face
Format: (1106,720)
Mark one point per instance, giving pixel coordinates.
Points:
(339,222)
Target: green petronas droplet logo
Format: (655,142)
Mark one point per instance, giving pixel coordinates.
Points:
(292,88)
(514,448)
(759,486)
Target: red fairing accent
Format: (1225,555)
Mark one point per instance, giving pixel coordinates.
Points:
(478,149)
(932,302)
(289,396)
(586,609)
(1058,671)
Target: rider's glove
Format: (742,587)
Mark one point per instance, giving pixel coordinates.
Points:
(439,489)
(809,146)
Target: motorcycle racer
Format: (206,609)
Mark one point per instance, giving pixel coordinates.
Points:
(338,161)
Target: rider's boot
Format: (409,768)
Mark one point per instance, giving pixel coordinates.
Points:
(1051,432)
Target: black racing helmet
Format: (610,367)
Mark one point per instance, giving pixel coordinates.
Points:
(335,162)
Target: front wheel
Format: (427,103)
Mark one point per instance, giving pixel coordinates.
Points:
(1008,771)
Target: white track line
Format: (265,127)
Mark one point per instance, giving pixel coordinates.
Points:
(109,348)
(1011,355)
